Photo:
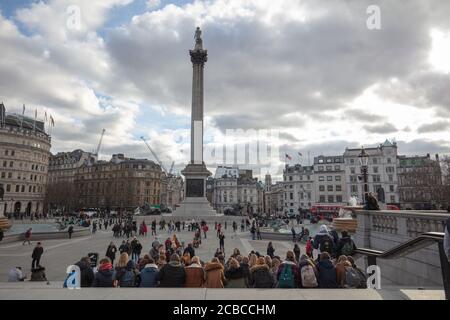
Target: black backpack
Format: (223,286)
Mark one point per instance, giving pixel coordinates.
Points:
(326,245)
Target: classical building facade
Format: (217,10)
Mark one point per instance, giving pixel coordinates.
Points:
(63,166)
(122,183)
(382,173)
(329,180)
(298,184)
(24,156)
(236,189)
(420,182)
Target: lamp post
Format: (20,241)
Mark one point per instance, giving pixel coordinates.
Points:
(364,161)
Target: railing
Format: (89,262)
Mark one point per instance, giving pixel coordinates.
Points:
(420,242)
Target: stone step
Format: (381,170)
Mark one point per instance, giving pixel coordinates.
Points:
(54,291)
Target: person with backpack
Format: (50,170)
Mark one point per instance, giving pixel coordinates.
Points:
(287,274)
(125,275)
(345,245)
(260,275)
(323,241)
(308,272)
(327,272)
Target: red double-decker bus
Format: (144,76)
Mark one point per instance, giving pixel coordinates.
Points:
(323,211)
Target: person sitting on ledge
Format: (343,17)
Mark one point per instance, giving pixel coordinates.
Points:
(15,275)
(371,203)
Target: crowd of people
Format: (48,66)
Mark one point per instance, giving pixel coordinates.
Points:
(171,264)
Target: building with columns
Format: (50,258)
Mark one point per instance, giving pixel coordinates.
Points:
(24,156)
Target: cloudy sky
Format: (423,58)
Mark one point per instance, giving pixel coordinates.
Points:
(311,71)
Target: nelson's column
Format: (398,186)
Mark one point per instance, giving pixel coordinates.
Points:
(196,173)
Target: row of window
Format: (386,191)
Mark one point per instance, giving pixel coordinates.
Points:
(376,187)
(34,167)
(375,178)
(330,199)
(329,168)
(9,175)
(291,178)
(371,160)
(330,178)
(22,188)
(330,188)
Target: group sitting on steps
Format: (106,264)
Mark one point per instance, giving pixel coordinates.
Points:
(334,267)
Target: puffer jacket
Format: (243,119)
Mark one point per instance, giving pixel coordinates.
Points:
(235,278)
(172,275)
(261,277)
(149,276)
(215,277)
(86,274)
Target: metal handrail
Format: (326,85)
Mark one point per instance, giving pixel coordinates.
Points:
(420,242)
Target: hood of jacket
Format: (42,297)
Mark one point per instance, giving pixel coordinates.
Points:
(234,273)
(194,265)
(130,265)
(326,264)
(259,267)
(150,267)
(213,266)
(323,230)
(82,265)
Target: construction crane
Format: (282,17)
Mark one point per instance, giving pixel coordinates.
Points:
(155,156)
(171,168)
(100,142)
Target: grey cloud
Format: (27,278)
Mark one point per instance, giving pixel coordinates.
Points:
(434,127)
(381,128)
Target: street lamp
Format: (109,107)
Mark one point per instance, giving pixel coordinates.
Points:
(364,161)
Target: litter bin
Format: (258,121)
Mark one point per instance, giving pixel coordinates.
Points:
(93,256)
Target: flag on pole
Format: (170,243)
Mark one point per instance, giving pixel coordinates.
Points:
(288,157)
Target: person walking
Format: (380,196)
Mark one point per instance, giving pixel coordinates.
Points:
(70,231)
(38,251)
(136,253)
(205,229)
(258,233)
(222,242)
(323,241)
(27,236)
(294,239)
(345,245)
(111,252)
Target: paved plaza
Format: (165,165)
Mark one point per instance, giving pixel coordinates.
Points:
(60,253)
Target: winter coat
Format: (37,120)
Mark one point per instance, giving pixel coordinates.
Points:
(137,248)
(235,278)
(340,273)
(120,272)
(342,242)
(195,276)
(154,253)
(261,277)
(270,251)
(319,238)
(189,250)
(111,252)
(38,275)
(103,279)
(149,276)
(327,274)
(172,275)
(37,252)
(86,274)
(215,277)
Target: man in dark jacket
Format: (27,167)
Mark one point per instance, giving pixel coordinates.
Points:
(86,272)
(327,272)
(149,275)
(324,241)
(172,274)
(36,256)
(345,246)
(104,277)
(70,231)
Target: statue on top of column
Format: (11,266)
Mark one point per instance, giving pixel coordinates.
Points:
(198,39)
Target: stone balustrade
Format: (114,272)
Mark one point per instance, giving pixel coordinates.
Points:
(383,230)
